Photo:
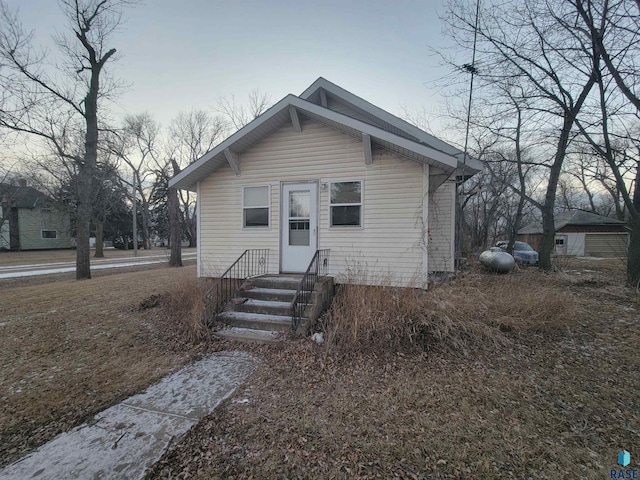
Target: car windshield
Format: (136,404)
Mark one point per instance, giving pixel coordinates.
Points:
(523,247)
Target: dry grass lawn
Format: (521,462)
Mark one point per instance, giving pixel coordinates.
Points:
(528,375)
(537,403)
(69,349)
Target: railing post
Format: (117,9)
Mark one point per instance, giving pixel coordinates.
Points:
(231,280)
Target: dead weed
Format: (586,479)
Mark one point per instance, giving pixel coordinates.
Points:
(473,311)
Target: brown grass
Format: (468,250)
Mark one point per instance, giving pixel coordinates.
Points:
(471,312)
(69,349)
(556,401)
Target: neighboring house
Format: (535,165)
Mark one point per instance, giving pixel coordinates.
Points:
(583,234)
(31,220)
(329,170)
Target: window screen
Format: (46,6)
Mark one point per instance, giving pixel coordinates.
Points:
(255,206)
(346,204)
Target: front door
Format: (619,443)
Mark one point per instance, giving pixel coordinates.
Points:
(299,225)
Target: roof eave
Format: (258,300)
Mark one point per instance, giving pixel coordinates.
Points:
(382,114)
(188,178)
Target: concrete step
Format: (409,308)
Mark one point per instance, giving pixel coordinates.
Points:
(250,336)
(288,282)
(267,307)
(256,321)
(268,294)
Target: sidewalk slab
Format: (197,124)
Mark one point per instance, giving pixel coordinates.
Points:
(126,439)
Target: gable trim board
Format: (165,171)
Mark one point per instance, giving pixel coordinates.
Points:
(278,115)
(403,182)
(368,112)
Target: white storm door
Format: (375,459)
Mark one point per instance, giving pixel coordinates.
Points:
(299,226)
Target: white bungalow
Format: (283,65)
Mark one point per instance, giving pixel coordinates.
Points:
(329,170)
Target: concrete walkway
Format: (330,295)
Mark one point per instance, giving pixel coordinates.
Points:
(124,440)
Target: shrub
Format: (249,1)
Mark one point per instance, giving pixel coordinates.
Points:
(184,305)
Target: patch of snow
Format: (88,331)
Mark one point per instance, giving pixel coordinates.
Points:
(122,441)
(318,338)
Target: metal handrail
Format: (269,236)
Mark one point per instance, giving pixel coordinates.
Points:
(317,268)
(251,263)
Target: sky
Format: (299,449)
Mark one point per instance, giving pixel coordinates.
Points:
(178,55)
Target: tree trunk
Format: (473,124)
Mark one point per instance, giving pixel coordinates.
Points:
(548,236)
(175,228)
(633,256)
(87,169)
(146,238)
(193,230)
(516,223)
(83,217)
(547,243)
(99,253)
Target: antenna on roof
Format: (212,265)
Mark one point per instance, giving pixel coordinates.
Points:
(470,68)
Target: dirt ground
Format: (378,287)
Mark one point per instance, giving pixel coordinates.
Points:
(547,404)
(70,349)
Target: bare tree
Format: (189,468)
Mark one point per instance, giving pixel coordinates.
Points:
(137,145)
(53,102)
(193,134)
(533,44)
(238,114)
(614,28)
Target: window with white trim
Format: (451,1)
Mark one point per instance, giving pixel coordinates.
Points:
(345,204)
(49,234)
(255,206)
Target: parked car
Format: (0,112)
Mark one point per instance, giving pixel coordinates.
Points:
(119,244)
(522,252)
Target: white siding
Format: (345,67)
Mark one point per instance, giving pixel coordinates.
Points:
(388,244)
(608,245)
(575,243)
(441,228)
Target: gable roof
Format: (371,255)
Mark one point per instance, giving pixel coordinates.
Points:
(571,217)
(385,120)
(381,132)
(23,197)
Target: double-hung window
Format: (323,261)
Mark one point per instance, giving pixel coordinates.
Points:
(255,206)
(346,204)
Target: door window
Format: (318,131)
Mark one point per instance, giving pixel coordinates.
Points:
(299,221)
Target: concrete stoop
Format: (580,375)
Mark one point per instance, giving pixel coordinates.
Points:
(261,310)
(250,335)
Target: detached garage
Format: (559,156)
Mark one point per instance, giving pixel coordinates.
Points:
(582,234)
